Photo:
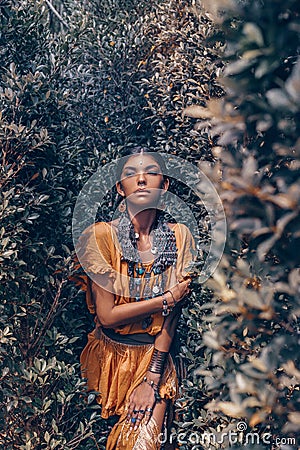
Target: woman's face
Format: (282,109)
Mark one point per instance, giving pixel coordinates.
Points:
(142,181)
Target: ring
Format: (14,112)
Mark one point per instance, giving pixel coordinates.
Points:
(142,411)
(149,409)
(135,411)
(133,419)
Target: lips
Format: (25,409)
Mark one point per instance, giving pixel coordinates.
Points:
(142,191)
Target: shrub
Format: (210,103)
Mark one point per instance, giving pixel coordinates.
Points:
(254,368)
(42,403)
(79,80)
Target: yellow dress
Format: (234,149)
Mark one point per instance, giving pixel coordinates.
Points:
(115,369)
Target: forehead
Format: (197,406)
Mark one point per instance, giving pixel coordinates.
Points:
(140,161)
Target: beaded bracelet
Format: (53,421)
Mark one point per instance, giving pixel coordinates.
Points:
(151,383)
(174,300)
(154,387)
(165,307)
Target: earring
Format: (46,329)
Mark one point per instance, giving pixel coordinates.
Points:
(122,206)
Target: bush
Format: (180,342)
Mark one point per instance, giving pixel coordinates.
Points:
(253,372)
(79,80)
(42,404)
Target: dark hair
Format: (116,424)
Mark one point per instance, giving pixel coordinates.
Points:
(132,151)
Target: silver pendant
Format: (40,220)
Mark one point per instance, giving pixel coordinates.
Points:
(147,290)
(136,235)
(154,250)
(155,290)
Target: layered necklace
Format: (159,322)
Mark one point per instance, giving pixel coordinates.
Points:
(164,251)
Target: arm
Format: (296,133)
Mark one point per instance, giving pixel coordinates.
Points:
(111,315)
(143,397)
(164,338)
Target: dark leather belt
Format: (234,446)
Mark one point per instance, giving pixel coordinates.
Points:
(130,339)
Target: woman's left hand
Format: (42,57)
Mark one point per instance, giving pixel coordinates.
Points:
(141,403)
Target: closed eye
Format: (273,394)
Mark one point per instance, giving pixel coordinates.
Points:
(128,174)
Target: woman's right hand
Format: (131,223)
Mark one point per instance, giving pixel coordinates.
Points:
(181,290)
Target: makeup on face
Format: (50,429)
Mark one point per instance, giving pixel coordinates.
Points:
(142,182)
(131,170)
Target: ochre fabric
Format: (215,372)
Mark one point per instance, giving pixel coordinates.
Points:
(146,438)
(99,253)
(113,369)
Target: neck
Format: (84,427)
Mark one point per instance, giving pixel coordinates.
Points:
(143,220)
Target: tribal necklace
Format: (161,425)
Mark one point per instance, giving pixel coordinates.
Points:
(164,251)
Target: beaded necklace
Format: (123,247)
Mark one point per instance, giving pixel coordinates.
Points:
(164,251)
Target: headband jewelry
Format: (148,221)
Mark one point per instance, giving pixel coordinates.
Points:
(142,153)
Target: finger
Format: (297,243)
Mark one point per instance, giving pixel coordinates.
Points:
(142,413)
(130,413)
(148,414)
(128,417)
(139,418)
(184,280)
(137,423)
(130,408)
(133,418)
(130,403)
(133,422)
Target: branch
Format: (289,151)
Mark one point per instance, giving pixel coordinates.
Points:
(57,13)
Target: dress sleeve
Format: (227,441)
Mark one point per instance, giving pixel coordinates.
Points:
(186,251)
(93,257)
(94,249)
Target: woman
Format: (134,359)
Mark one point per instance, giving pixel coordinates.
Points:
(137,267)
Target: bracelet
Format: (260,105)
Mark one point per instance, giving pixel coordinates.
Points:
(151,383)
(174,300)
(154,387)
(157,362)
(165,308)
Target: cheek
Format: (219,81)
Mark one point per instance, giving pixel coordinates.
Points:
(128,186)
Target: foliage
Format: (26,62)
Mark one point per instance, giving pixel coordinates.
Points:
(42,396)
(253,373)
(79,80)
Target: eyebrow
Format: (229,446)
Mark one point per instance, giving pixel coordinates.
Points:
(146,168)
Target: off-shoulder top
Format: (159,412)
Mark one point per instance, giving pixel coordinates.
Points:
(99,253)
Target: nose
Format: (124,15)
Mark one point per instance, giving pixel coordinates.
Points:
(141,178)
